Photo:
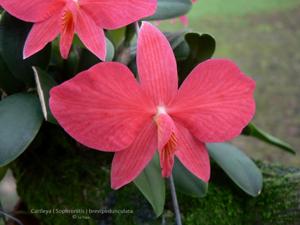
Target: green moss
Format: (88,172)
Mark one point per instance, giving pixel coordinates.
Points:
(56,173)
(220,206)
(279,202)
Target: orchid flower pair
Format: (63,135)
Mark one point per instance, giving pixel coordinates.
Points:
(87,18)
(107,109)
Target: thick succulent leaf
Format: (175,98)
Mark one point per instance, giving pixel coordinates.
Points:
(123,44)
(181,52)
(187,183)
(110,50)
(13,33)
(179,45)
(88,59)
(252,130)
(8,82)
(239,167)
(175,39)
(44,83)
(167,9)
(3,172)
(20,119)
(116,36)
(201,47)
(152,185)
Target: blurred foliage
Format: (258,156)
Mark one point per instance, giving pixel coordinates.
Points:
(79,179)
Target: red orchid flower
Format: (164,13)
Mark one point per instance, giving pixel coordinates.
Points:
(87,18)
(106,108)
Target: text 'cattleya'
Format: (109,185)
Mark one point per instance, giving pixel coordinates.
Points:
(106,108)
(87,18)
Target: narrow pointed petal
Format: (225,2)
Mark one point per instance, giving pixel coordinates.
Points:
(102,108)
(40,35)
(67,33)
(113,14)
(215,102)
(165,128)
(129,163)
(91,35)
(156,65)
(32,10)
(192,154)
(167,142)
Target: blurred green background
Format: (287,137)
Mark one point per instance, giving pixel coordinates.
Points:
(263,37)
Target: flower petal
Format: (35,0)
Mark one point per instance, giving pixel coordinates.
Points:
(167,142)
(66,33)
(129,163)
(41,34)
(113,14)
(156,65)
(32,10)
(192,154)
(102,108)
(215,102)
(91,35)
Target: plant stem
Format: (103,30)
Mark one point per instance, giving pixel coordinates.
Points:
(175,202)
(11,217)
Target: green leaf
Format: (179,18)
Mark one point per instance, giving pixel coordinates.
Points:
(3,172)
(110,50)
(44,83)
(13,34)
(252,130)
(181,52)
(178,44)
(152,185)
(20,119)
(188,183)
(175,38)
(201,47)
(239,167)
(88,59)
(7,81)
(167,9)
(116,36)
(123,50)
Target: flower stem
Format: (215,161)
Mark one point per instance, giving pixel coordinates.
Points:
(10,217)
(175,202)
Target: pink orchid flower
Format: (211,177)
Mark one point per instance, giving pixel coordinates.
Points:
(87,18)
(107,109)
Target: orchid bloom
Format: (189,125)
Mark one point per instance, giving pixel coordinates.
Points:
(87,18)
(107,109)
